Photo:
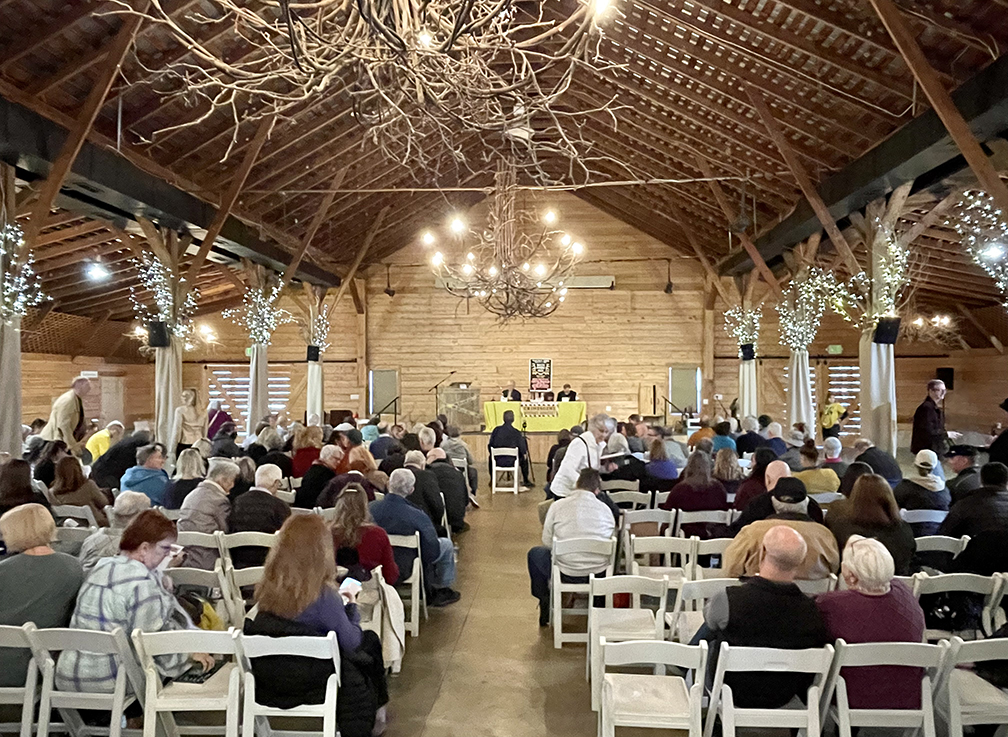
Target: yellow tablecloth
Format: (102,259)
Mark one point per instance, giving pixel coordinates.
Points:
(568,415)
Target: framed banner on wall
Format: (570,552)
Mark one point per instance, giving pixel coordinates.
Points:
(540,374)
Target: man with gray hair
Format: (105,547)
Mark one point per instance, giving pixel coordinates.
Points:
(148,475)
(105,542)
(397,516)
(583,452)
(738,615)
(258,510)
(206,509)
(750,439)
(426,494)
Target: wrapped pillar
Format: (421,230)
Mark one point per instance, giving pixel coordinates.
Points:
(167,389)
(258,405)
(878,391)
(743,324)
(747,386)
(10,370)
(316,385)
(799,405)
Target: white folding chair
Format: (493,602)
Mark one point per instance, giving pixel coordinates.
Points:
(604,549)
(827,497)
(172,514)
(659,498)
(320,648)
(716,546)
(217,584)
(413,583)
(299,510)
(923,516)
(684,621)
(237,579)
(327,513)
(942,544)
(218,693)
(620,625)
(990,587)
(70,539)
(667,547)
(816,586)
(47,641)
(286,496)
(614,485)
(73,511)
(907,654)
(229,542)
(658,517)
(210,540)
(630,500)
(16,638)
(658,700)
(963,698)
(814,661)
(444,517)
(498,470)
(713,516)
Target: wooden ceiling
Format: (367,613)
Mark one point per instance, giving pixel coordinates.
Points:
(827,68)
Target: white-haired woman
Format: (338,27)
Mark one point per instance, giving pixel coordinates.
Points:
(874,608)
(189,471)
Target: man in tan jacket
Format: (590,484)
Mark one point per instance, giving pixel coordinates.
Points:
(742,557)
(66,422)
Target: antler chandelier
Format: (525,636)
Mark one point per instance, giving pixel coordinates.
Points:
(514,267)
(423,76)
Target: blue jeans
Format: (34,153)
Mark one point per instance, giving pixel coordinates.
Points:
(442,573)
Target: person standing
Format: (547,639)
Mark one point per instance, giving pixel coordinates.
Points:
(216,418)
(831,417)
(929,422)
(998,452)
(189,425)
(66,421)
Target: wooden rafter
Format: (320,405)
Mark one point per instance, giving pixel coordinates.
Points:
(361,253)
(919,228)
(316,222)
(712,275)
(979,326)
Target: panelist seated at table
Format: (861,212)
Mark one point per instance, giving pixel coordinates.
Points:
(567,395)
(510,394)
(508,436)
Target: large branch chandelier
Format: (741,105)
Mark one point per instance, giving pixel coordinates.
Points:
(424,77)
(519,265)
(983,229)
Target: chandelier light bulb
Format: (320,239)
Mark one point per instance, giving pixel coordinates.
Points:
(994,253)
(919,322)
(428,238)
(550,217)
(549,304)
(525,266)
(425,39)
(540,270)
(577,248)
(566,240)
(470,256)
(205,330)
(457,225)
(139,331)
(563,291)
(97,271)
(467,269)
(601,6)
(492,271)
(437,259)
(562,299)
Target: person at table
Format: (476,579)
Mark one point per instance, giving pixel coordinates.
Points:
(510,394)
(567,395)
(508,436)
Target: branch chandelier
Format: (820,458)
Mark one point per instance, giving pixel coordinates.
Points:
(174,303)
(863,299)
(258,315)
(518,266)
(423,76)
(743,324)
(984,231)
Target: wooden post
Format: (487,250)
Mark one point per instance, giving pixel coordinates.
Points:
(942,102)
(359,288)
(707,365)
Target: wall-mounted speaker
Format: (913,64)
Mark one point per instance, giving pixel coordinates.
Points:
(886,331)
(748,352)
(946,375)
(157,335)
(313,353)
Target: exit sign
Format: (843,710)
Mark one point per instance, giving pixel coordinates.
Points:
(834,350)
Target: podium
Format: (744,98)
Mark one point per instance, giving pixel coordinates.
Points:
(537,416)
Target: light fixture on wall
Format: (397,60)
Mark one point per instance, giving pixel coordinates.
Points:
(669,287)
(388,277)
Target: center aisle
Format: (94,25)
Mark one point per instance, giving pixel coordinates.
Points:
(483,666)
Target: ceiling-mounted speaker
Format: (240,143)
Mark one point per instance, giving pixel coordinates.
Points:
(157,334)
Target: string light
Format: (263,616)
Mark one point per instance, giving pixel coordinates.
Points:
(158,278)
(21,286)
(983,230)
(862,300)
(801,309)
(258,314)
(743,324)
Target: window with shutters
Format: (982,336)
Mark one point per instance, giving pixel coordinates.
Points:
(230,384)
(843,381)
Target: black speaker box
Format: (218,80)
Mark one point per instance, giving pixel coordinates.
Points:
(313,353)
(748,352)
(157,335)
(887,331)
(946,375)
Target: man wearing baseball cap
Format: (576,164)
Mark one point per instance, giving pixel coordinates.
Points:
(964,460)
(923,490)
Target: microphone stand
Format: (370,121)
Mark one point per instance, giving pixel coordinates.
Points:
(437,401)
(527,454)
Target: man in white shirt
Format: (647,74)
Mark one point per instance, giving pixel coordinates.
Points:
(583,452)
(580,514)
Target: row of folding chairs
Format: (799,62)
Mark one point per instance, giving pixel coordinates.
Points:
(231,688)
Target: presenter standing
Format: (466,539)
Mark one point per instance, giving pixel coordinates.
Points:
(510,394)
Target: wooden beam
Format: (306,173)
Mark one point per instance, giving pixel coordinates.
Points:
(55,236)
(316,223)
(96,325)
(730,216)
(942,102)
(801,176)
(701,256)
(82,125)
(230,275)
(361,253)
(229,198)
(921,226)
(357,296)
(41,315)
(979,326)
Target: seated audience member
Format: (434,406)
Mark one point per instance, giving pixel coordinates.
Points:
(370,431)
(982,510)
(795,441)
(881,462)
(872,511)
(320,473)
(45,467)
(457,450)
(727,470)
(769,504)
(763,421)
(741,558)
(207,509)
(874,608)
(397,516)
(396,457)
(258,510)
(382,445)
(722,437)
(738,615)
(99,443)
(126,592)
(832,450)
(705,431)
(299,596)
(33,442)
(660,472)
(559,450)
(697,491)
(280,459)
(675,450)
(307,447)
(104,543)
(267,439)
(774,441)
(583,452)
(580,514)
(452,485)
(72,487)
(350,441)
(756,483)
(397,431)
(224,445)
(38,584)
(120,457)
(506,435)
(189,471)
(360,544)
(245,479)
(428,437)
(965,461)
(923,490)
(148,475)
(750,439)
(204,446)
(854,471)
(426,494)
(817,479)
(370,482)
(634,442)
(216,417)
(624,466)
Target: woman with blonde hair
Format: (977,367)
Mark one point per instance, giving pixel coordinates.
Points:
(360,544)
(727,470)
(189,471)
(189,425)
(360,459)
(298,596)
(306,446)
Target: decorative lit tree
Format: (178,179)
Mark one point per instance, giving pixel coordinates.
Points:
(743,324)
(984,232)
(314,325)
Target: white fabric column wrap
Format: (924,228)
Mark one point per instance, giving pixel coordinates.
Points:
(747,388)
(316,389)
(800,407)
(167,389)
(258,385)
(878,392)
(10,370)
